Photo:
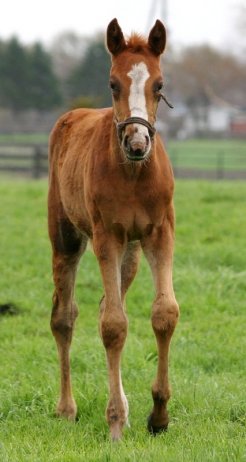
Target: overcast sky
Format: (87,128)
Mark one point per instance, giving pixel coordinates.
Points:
(189,21)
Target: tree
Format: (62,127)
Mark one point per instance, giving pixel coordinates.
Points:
(14,75)
(203,74)
(67,51)
(44,92)
(27,79)
(90,77)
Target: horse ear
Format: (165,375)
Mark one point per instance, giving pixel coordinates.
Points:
(115,38)
(157,38)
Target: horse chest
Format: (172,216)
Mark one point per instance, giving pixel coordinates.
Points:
(134,213)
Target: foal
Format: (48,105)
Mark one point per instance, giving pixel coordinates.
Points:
(111,182)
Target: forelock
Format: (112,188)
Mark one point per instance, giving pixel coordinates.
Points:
(136,43)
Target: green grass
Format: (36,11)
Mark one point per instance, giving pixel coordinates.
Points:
(207,363)
(24,138)
(206,154)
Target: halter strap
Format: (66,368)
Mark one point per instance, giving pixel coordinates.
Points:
(135,120)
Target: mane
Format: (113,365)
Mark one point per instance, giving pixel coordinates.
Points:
(136,43)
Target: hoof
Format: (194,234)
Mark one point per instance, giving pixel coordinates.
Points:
(155,429)
(67,410)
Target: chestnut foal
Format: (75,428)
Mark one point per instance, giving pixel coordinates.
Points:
(111,182)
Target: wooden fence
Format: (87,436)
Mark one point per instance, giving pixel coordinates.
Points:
(31,160)
(220,165)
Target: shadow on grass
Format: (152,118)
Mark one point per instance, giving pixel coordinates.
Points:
(9,309)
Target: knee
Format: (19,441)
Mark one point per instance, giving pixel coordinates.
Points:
(61,327)
(113,327)
(165,316)
(62,321)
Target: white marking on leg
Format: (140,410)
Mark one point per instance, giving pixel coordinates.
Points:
(124,399)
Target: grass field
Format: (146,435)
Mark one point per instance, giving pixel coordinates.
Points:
(209,155)
(207,364)
(24,138)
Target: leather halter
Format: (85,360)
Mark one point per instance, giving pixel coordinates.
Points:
(134,120)
(138,120)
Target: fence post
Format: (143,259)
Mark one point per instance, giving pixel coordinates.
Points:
(36,162)
(220,165)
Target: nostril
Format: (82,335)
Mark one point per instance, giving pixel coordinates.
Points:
(147,141)
(126,139)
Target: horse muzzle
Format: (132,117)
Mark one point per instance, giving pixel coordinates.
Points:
(136,146)
(135,136)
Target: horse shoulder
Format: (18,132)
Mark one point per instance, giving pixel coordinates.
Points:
(74,127)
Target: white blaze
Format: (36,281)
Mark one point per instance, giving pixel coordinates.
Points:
(137,102)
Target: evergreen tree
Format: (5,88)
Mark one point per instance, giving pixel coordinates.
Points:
(44,92)
(14,75)
(90,77)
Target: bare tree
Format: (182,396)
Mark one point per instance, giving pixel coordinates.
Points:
(67,50)
(202,75)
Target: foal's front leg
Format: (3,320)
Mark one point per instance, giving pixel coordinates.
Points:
(113,324)
(158,249)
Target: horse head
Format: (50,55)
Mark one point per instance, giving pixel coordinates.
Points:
(136,82)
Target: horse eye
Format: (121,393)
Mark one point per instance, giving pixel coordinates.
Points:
(114,87)
(158,86)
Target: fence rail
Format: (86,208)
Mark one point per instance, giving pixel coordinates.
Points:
(31,160)
(26,159)
(217,166)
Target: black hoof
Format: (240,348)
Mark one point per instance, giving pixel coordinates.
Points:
(155,429)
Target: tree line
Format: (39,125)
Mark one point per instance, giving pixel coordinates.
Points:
(74,72)
(29,78)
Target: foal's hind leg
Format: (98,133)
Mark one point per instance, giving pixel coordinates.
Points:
(68,246)
(158,249)
(129,266)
